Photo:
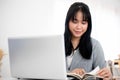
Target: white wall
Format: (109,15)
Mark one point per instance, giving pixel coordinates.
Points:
(24,18)
(106,26)
(43,17)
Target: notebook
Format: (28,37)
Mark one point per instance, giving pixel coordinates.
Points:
(40,57)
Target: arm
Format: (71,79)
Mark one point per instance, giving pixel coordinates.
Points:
(98,55)
(99,60)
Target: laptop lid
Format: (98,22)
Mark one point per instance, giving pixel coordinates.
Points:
(40,57)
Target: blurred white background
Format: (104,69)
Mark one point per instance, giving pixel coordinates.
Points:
(26,18)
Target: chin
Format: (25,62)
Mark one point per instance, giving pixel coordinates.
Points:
(77,36)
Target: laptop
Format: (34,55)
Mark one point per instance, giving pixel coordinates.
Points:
(40,57)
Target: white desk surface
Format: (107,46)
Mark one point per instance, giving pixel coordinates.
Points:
(5,70)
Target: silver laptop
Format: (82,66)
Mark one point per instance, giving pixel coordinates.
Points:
(40,57)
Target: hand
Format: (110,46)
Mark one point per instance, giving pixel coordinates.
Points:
(78,71)
(105,74)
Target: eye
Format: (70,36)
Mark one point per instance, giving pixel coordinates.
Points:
(75,21)
(84,22)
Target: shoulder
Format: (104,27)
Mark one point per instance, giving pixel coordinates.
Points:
(97,54)
(95,43)
(96,47)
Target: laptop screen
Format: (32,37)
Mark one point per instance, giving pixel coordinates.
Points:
(40,57)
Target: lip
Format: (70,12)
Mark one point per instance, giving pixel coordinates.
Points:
(78,32)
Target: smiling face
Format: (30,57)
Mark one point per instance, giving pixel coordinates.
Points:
(78,26)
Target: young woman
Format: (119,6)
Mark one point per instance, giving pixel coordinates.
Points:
(83,53)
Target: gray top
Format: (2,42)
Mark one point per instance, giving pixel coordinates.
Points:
(97,58)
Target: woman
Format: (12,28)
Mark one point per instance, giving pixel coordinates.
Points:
(83,53)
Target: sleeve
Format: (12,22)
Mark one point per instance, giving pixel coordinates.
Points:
(98,55)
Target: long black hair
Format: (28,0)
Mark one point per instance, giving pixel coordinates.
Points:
(85,45)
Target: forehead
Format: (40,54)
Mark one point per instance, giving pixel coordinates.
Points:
(78,15)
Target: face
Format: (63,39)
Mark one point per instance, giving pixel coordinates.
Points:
(77,26)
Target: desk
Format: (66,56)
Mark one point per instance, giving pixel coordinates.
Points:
(8,78)
(5,70)
(19,79)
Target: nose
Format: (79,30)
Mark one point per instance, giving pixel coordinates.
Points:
(79,25)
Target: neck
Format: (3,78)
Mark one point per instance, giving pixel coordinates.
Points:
(75,42)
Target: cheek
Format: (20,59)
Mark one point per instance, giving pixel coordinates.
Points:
(85,28)
(70,26)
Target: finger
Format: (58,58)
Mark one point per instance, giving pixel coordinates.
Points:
(83,71)
(106,79)
(100,71)
(79,71)
(105,74)
(103,71)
